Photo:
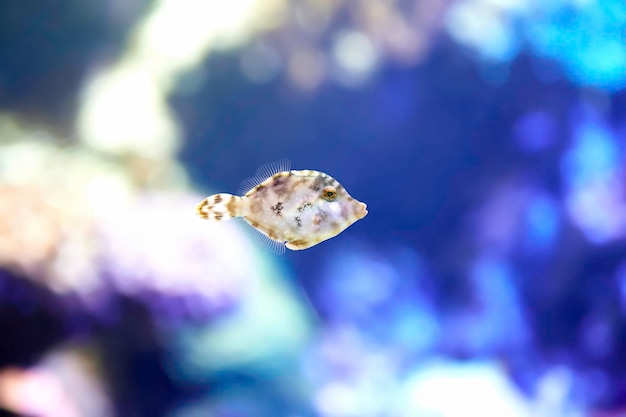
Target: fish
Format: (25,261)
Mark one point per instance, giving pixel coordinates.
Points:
(296,209)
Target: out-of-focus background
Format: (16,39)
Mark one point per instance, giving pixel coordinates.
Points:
(486,136)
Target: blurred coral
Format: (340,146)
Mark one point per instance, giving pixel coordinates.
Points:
(80,224)
(62,384)
(157,252)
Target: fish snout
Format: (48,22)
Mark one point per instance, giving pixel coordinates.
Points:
(361,210)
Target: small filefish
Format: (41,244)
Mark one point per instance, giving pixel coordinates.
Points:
(296,209)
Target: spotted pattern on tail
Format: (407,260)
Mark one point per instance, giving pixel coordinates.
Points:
(219,207)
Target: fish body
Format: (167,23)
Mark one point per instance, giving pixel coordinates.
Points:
(297,209)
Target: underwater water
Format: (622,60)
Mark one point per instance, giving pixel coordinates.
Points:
(487,138)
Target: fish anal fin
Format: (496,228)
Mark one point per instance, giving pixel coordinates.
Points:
(263,239)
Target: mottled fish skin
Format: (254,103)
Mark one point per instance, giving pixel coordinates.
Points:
(220,207)
(301,208)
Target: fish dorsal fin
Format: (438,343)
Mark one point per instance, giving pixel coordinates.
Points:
(277,247)
(264,172)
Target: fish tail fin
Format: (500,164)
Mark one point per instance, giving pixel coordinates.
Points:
(219,207)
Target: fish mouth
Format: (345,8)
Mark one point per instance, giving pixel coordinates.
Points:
(362,210)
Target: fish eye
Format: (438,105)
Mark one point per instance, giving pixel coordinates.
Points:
(329,193)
